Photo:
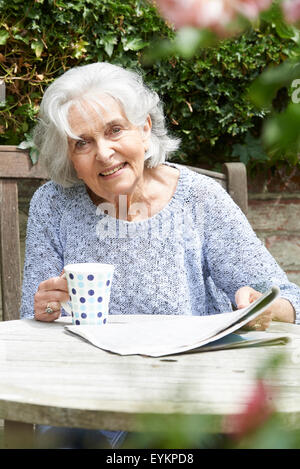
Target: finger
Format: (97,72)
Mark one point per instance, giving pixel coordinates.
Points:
(243,297)
(40,306)
(266,321)
(54,283)
(254,326)
(47,311)
(41,313)
(47,307)
(54,306)
(261,322)
(63,274)
(45,296)
(46,317)
(260,326)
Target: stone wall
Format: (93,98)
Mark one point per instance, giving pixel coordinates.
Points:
(276,220)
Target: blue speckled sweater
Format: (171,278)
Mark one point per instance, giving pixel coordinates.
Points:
(190,258)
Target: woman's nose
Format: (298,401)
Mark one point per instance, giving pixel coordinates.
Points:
(104,149)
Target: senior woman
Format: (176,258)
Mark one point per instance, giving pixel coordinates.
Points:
(178,242)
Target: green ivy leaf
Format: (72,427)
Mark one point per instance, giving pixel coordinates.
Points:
(109,48)
(38,47)
(28,144)
(134,44)
(241,152)
(3,37)
(79,48)
(25,39)
(34,155)
(251,150)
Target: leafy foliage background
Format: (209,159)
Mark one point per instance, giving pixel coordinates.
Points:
(205,97)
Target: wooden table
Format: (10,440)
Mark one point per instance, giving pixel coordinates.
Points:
(48,376)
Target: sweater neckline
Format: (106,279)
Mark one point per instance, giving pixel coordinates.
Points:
(164,212)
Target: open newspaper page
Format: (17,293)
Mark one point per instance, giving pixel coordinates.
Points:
(162,335)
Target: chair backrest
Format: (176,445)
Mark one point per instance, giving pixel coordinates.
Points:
(233,179)
(15,165)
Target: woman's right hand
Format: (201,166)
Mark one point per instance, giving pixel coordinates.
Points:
(50,293)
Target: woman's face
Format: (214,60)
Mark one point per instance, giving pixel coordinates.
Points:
(109,158)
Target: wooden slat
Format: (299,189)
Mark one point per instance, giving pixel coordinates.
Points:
(12,148)
(18,435)
(237,184)
(10,249)
(209,173)
(16,163)
(219,177)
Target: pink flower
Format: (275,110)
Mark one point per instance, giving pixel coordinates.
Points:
(251,8)
(211,14)
(257,411)
(291,10)
(198,13)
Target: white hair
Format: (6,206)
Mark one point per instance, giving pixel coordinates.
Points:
(85,83)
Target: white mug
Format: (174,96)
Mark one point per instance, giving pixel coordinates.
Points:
(89,286)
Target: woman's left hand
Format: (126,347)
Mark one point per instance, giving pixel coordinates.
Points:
(245,296)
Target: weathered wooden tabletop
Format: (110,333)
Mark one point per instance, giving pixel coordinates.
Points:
(48,376)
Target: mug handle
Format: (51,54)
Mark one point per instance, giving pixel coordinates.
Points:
(65,304)
(67,308)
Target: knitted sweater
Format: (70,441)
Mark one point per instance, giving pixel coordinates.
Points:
(190,258)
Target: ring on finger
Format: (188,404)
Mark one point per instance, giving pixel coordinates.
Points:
(52,307)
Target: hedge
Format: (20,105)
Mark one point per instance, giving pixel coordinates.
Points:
(205,97)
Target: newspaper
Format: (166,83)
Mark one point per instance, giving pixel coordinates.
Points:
(162,335)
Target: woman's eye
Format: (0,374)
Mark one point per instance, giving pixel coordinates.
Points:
(81,144)
(116,130)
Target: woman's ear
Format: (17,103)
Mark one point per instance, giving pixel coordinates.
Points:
(147,132)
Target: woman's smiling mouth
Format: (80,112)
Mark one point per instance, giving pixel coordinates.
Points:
(113,170)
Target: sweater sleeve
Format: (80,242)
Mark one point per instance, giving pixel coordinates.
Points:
(234,254)
(43,250)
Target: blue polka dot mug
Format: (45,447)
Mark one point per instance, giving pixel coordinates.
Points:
(89,286)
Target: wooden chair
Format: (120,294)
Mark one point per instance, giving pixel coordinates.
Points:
(15,165)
